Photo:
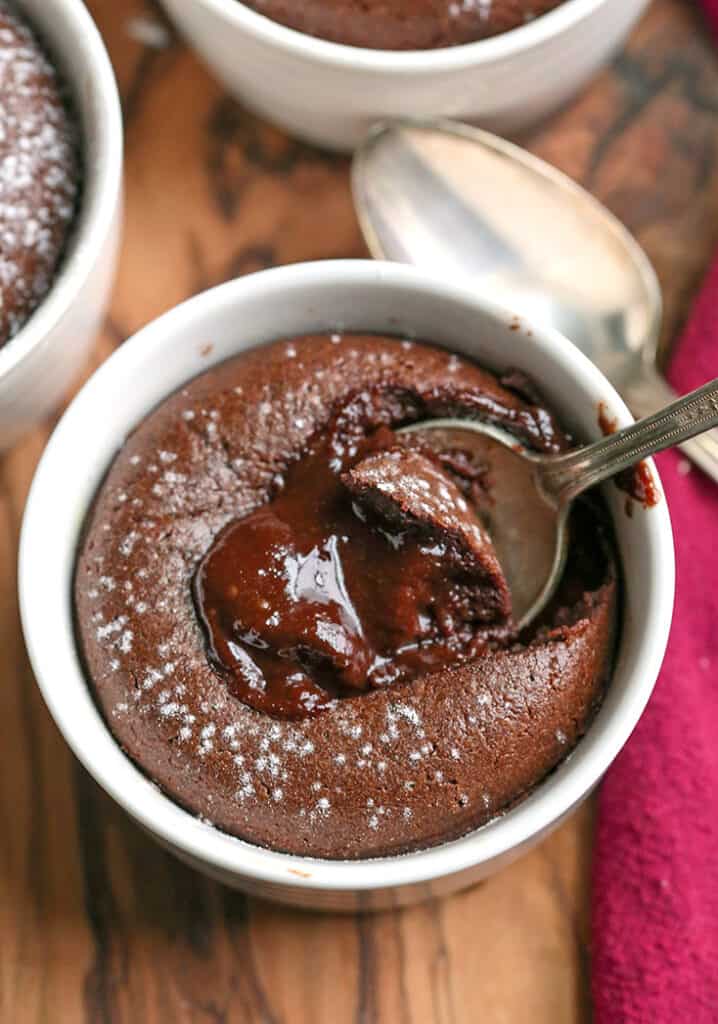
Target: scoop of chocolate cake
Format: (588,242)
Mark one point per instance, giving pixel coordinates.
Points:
(408,489)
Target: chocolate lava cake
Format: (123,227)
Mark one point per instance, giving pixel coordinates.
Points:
(293,617)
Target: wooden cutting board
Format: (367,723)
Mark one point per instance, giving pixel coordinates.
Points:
(96,922)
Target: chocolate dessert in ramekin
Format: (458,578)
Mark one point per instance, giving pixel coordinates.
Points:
(294,620)
(39,171)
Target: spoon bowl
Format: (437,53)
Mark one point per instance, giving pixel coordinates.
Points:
(461,201)
(528,530)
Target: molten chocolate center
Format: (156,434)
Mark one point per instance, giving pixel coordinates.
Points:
(355,576)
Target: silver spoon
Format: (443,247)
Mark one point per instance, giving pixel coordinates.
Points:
(459,200)
(532,494)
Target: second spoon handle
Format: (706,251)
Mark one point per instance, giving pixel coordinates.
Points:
(566,476)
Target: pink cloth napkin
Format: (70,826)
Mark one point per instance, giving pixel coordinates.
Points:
(655,875)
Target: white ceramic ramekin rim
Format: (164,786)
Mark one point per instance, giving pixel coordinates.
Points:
(102,180)
(404,62)
(116,773)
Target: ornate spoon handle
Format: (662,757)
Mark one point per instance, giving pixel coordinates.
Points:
(563,477)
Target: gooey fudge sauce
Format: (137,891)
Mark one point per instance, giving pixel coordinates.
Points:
(351,578)
(403,24)
(294,620)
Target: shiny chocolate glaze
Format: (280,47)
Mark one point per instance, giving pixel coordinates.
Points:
(368,568)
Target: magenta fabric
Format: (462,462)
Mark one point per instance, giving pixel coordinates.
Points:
(655,871)
(655,874)
(711,9)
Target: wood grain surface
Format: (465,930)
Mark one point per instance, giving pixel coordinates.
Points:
(97,924)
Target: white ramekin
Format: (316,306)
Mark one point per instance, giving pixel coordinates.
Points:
(40,363)
(358,295)
(331,94)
